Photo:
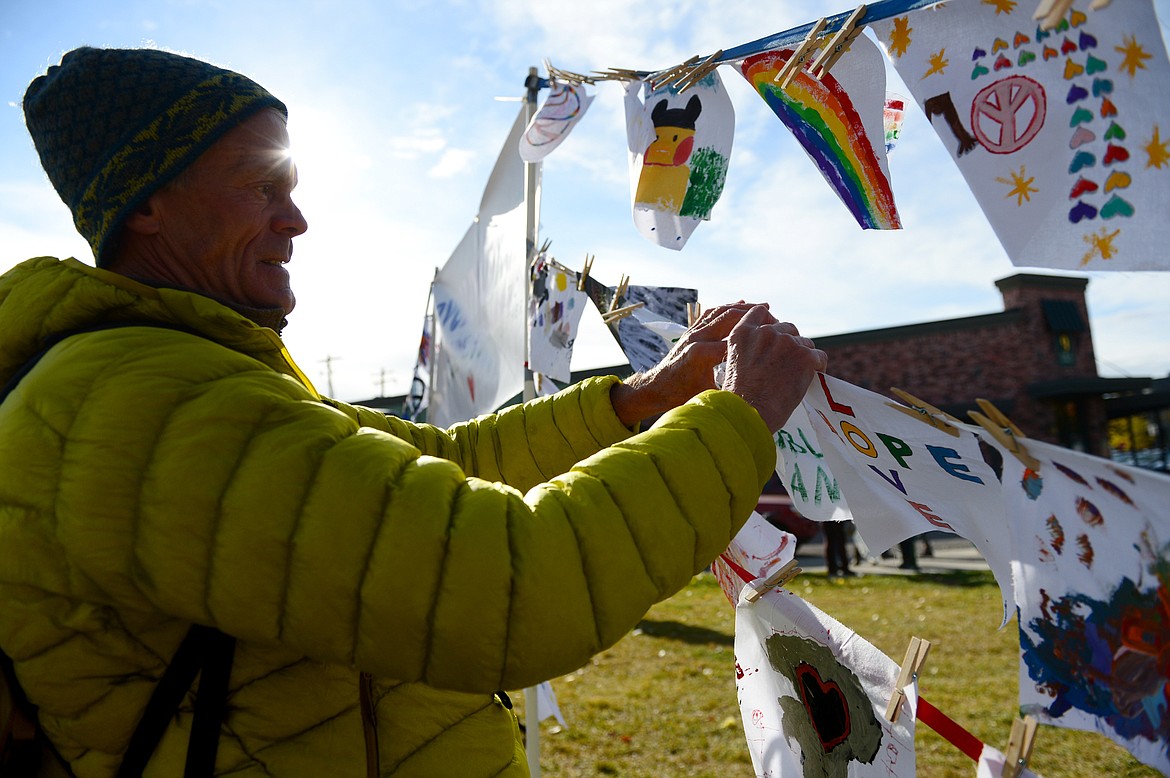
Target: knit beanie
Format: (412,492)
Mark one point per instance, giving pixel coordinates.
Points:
(112,126)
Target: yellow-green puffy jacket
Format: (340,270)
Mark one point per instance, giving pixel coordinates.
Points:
(383,578)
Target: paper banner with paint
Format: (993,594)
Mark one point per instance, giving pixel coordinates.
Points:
(839,121)
(551,124)
(813,694)
(806,475)
(1062,135)
(554,312)
(679,150)
(910,477)
(1092,570)
(418,398)
(756,551)
(893,114)
(643,346)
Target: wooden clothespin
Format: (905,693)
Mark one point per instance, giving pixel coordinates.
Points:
(670,74)
(1019,749)
(924,412)
(792,66)
(581,279)
(915,658)
(693,312)
(1005,432)
(1097,5)
(759,587)
(615,314)
(618,74)
(619,292)
(838,44)
(699,72)
(1050,12)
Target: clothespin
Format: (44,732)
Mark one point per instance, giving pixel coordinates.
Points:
(619,74)
(581,279)
(792,66)
(757,588)
(619,292)
(1005,432)
(1019,749)
(615,314)
(915,658)
(1050,12)
(699,73)
(569,76)
(693,311)
(670,74)
(1097,5)
(838,44)
(924,411)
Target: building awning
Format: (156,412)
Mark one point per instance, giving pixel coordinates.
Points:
(1085,385)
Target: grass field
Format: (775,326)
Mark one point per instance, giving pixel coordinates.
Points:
(662,702)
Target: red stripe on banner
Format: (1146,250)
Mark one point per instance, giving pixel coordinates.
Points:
(949,730)
(744,574)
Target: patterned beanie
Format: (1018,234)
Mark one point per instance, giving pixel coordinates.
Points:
(112,126)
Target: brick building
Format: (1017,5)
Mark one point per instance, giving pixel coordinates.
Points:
(1034,361)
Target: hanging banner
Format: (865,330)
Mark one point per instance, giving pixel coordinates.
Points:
(805,474)
(419,397)
(1092,570)
(479,301)
(645,337)
(813,694)
(756,551)
(1062,135)
(911,477)
(558,115)
(679,150)
(838,119)
(555,307)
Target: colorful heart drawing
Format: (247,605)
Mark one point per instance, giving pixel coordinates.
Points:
(978,54)
(979,71)
(1049,53)
(1087,41)
(1107,107)
(1114,154)
(1080,211)
(998,45)
(826,705)
(1082,186)
(1082,136)
(1062,25)
(1082,160)
(1080,116)
(1116,207)
(1114,132)
(1068,47)
(1002,62)
(1041,34)
(1020,40)
(1072,70)
(1118,179)
(1094,65)
(1077,18)
(1025,57)
(1102,86)
(1076,93)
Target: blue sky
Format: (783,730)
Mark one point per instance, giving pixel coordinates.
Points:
(395,126)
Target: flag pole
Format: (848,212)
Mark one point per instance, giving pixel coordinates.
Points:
(532,172)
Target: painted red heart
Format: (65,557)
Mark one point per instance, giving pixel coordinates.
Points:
(826,706)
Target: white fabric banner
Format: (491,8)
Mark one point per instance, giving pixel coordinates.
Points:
(479,301)
(1092,568)
(902,477)
(554,313)
(806,476)
(813,694)
(560,112)
(1062,135)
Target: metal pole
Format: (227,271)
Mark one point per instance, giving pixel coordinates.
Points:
(532,219)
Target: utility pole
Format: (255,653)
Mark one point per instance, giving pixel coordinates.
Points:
(328,360)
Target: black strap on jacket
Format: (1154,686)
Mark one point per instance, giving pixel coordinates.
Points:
(204,650)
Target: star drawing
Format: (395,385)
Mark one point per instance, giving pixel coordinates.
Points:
(1100,244)
(900,36)
(1021,187)
(938,63)
(1134,55)
(1157,151)
(1001,6)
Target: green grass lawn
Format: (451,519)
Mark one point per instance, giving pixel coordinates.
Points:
(662,702)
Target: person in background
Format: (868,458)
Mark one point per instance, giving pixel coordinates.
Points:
(370,585)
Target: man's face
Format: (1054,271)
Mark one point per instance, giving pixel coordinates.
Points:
(227,225)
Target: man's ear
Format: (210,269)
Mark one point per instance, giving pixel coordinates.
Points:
(144,219)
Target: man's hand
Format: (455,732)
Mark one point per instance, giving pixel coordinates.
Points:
(688,369)
(770,365)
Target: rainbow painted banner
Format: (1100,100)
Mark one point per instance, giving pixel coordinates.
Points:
(839,122)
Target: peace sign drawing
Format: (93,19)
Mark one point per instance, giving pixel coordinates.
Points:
(1007,114)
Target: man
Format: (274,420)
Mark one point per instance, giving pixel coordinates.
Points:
(166,464)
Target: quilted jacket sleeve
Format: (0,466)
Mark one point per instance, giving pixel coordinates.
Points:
(194,480)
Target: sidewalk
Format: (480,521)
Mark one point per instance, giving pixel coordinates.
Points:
(949,554)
